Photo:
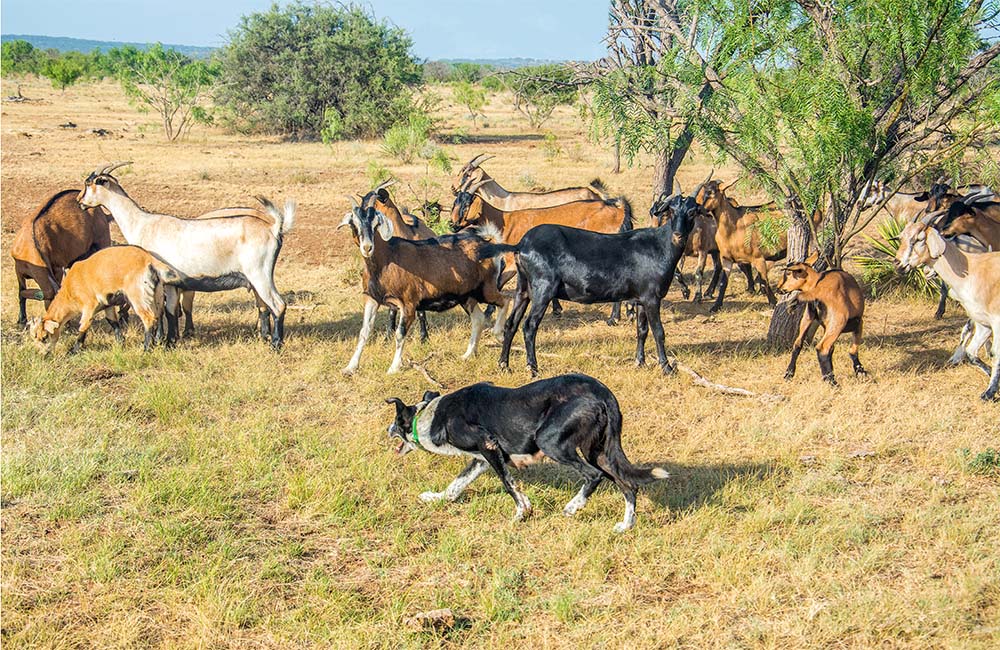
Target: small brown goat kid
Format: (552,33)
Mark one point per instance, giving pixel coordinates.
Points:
(91,284)
(59,233)
(835,301)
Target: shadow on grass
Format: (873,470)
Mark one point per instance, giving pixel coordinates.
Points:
(689,486)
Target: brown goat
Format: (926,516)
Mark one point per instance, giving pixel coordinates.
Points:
(59,233)
(91,284)
(977,223)
(472,174)
(738,240)
(835,301)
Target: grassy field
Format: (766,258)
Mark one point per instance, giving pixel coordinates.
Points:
(221,495)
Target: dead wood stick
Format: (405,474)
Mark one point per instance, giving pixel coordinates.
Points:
(722,388)
(423,371)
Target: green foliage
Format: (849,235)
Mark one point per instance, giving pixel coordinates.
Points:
(407,140)
(986,462)
(163,80)
(314,70)
(377,173)
(20,57)
(550,146)
(539,89)
(471,96)
(64,70)
(879,272)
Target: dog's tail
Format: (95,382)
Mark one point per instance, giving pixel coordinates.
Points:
(618,463)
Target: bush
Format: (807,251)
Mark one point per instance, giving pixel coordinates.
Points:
(879,272)
(406,140)
(472,97)
(64,70)
(539,89)
(20,57)
(314,70)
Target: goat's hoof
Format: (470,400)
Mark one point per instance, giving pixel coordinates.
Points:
(556,314)
(667,369)
(697,300)
(789,375)
(830,380)
(640,363)
(522,513)
(686,294)
(861,372)
(989,396)
(534,371)
(393,371)
(503,368)
(714,310)
(612,322)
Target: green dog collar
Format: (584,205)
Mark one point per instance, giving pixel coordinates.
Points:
(414,438)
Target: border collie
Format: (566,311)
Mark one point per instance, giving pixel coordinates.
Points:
(572,419)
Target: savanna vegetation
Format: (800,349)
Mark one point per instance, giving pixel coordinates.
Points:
(221,495)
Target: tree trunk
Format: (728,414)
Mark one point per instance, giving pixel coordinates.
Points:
(663,173)
(785,319)
(616,167)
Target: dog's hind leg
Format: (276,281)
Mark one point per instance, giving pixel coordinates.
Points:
(471,472)
(557,441)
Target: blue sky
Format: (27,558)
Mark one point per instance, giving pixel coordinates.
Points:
(542,29)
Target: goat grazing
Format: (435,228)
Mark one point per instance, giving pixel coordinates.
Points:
(59,233)
(428,274)
(834,300)
(90,286)
(581,266)
(974,280)
(236,248)
(963,219)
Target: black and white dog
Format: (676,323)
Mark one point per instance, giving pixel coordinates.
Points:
(573,419)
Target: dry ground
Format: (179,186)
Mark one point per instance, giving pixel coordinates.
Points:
(220,495)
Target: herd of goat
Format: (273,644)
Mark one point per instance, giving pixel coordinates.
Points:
(575,244)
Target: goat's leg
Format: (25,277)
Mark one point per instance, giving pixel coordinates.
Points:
(699,274)
(534,319)
(942,303)
(371,308)
(641,330)
(652,309)
(406,318)
(992,389)
(111,315)
(761,265)
(716,273)
(501,319)
(727,267)
(513,321)
(557,310)
(980,335)
(958,356)
(478,323)
(747,270)
(86,319)
(22,300)
(268,293)
(859,370)
(393,320)
(807,329)
(422,320)
(824,351)
(679,276)
(171,304)
(615,315)
(187,304)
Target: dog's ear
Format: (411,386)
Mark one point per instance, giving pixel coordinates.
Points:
(398,402)
(430,395)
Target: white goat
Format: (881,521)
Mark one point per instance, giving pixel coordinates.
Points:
(236,249)
(974,280)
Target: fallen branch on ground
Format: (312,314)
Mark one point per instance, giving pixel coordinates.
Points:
(722,388)
(418,365)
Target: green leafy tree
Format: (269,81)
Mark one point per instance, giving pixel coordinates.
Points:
(64,70)
(293,69)
(20,57)
(539,89)
(165,81)
(847,92)
(472,97)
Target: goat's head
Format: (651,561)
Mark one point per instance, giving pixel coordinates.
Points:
(683,211)
(919,244)
(939,197)
(364,220)
(659,212)
(100,180)
(402,424)
(873,193)
(467,210)
(471,173)
(44,332)
(797,277)
(960,220)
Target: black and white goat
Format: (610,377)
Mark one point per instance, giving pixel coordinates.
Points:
(587,267)
(422,275)
(236,249)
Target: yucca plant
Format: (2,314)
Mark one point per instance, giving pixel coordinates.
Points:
(879,271)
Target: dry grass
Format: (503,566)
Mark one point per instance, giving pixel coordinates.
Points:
(219,495)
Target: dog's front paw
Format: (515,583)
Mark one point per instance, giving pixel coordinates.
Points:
(431,497)
(622,526)
(522,511)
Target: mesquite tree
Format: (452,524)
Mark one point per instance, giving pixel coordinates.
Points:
(846,92)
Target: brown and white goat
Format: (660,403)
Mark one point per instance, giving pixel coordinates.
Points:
(835,301)
(472,174)
(59,233)
(428,274)
(973,279)
(970,220)
(91,284)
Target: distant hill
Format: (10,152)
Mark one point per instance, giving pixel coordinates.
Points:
(66,44)
(503,64)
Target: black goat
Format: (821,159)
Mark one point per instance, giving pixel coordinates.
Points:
(587,267)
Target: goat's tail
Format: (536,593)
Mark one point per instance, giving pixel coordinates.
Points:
(490,233)
(597,185)
(151,289)
(627,224)
(492,250)
(166,273)
(283,220)
(614,460)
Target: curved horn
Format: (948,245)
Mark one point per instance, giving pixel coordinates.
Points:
(385,184)
(930,218)
(677,186)
(940,179)
(709,177)
(475,186)
(729,184)
(113,167)
(353,200)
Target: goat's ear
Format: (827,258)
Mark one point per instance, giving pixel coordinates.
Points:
(384,227)
(812,257)
(50,326)
(923,196)
(430,395)
(935,243)
(383,195)
(346,221)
